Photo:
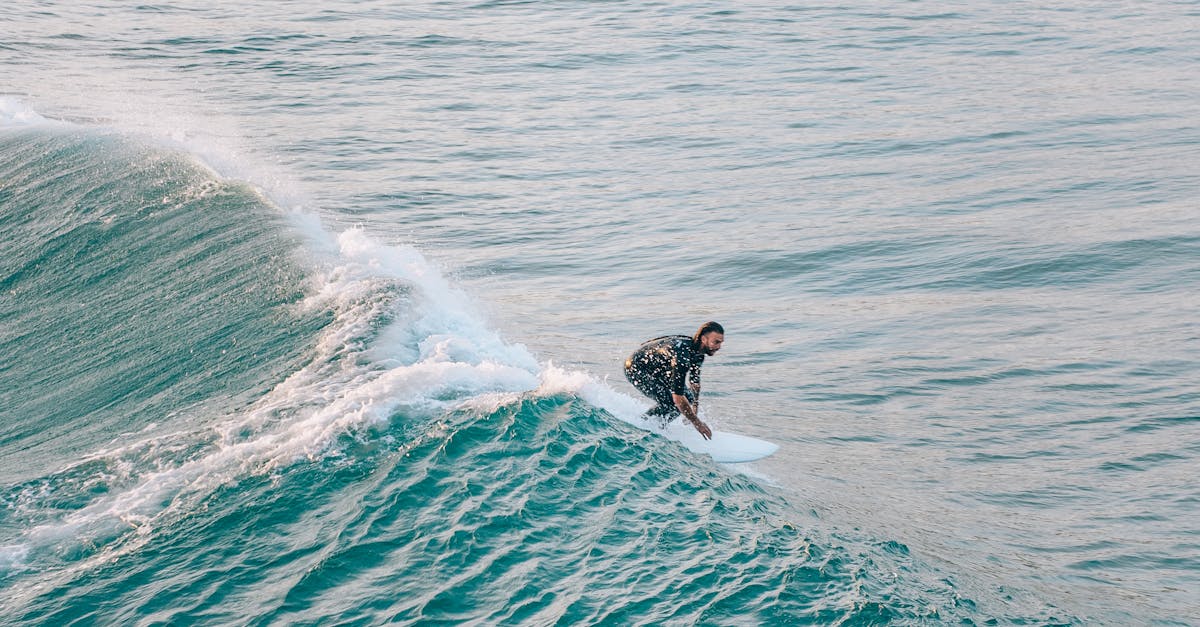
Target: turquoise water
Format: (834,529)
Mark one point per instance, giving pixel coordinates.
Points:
(314,313)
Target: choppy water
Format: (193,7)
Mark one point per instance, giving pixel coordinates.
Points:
(314,313)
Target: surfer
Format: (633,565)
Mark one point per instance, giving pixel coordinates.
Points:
(667,369)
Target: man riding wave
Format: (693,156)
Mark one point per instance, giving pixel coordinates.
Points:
(667,369)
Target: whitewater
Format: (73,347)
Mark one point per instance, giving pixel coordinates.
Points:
(316,314)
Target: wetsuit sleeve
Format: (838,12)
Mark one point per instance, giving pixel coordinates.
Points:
(679,374)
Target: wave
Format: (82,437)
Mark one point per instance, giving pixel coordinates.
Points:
(218,409)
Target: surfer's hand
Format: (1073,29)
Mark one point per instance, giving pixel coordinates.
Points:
(702,428)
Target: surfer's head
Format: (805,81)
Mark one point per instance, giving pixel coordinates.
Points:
(710,337)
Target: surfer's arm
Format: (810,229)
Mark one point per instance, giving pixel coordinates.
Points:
(685,407)
(693,378)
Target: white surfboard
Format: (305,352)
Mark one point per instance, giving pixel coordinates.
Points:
(724,447)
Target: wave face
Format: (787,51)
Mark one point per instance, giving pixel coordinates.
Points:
(136,285)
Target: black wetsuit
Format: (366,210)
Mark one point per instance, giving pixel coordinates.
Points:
(663,366)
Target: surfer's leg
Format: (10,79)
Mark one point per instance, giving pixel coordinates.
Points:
(664,409)
(663,419)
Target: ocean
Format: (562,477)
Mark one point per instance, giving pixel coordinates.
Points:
(315,313)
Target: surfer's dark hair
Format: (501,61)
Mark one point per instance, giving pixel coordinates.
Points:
(706,328)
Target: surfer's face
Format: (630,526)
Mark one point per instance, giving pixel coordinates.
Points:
(710,343)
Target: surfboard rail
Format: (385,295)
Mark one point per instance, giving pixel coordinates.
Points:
(724,447)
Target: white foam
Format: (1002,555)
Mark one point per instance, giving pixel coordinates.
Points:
(433,353)
(556,380)
(13,557)
(13,112)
